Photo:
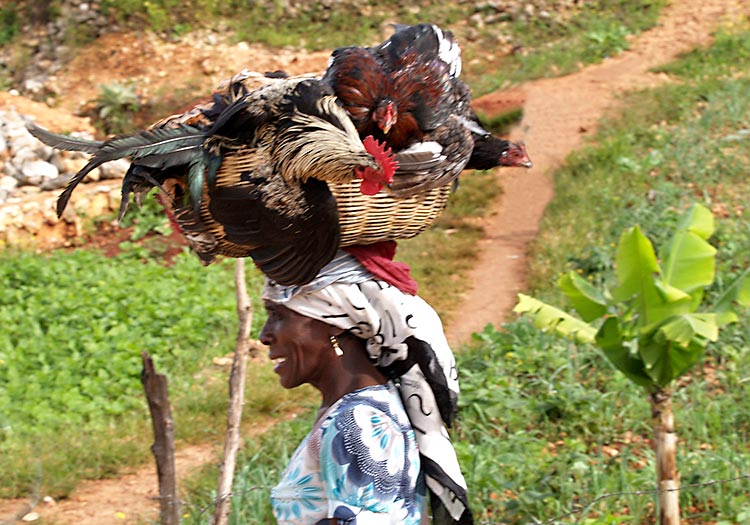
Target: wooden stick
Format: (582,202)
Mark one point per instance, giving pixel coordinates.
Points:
(236,396)
(157,394)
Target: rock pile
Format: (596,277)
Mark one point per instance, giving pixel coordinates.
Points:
(27,166)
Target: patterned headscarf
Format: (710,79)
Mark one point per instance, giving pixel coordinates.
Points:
(405,339)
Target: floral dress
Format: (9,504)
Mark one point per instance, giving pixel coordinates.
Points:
(359,464)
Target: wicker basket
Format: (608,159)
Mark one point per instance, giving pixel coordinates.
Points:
(381,217)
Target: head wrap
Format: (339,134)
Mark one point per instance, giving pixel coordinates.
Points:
(405,339)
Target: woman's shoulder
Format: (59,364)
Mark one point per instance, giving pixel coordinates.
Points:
(368,448)
(378,401)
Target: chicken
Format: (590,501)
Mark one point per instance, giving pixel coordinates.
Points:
(407,92)
(250,178)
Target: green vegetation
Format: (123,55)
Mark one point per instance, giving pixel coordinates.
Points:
(649,326)
(9,26)
(116,106)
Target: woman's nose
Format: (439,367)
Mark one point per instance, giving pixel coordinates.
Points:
(265,335)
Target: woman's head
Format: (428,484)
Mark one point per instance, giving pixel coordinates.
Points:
(307,350)
(300,346)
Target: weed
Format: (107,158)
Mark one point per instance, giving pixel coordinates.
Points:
(115,107)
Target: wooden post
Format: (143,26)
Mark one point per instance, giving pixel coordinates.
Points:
(236,396)
(666,457)
(157,394)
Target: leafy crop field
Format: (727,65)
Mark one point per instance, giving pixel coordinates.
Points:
(74,325)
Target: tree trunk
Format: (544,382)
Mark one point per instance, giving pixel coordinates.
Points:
(236,396)
(666,457)
(157,394)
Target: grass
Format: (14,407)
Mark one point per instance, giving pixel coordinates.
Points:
(563,410)
(544,48)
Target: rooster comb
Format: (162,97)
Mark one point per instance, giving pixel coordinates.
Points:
(383,156)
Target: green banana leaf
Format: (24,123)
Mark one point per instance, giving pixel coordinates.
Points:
(610,339)
(688,260)
(548,318)
(589,302)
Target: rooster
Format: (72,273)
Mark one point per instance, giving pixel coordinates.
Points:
(407,92)
(250,178)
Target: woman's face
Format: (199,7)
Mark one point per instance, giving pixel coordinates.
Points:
(300,345)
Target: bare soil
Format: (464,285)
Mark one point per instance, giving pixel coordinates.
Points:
(559,114)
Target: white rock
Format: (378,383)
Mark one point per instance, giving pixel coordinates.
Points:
(8,183)
(10,170)
(35,172)
(44,152)
(115,169)
(8,186)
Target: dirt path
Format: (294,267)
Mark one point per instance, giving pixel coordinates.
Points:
(558,113)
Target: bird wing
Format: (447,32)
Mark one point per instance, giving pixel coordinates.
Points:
(434,162)
(428,40)
(291,230)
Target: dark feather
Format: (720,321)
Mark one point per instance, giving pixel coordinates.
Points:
(63,142)
(157,143)
(289,246)
(153,148)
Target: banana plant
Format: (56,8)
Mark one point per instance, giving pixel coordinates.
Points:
(650,325)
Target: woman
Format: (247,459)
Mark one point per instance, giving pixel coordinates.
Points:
(388,383)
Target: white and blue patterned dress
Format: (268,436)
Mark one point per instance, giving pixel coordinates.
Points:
(359,464)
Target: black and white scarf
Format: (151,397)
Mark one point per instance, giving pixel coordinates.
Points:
(405,339)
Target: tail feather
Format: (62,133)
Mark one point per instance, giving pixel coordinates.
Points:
(63,142)
(154,143)
(139,181)
(62,200)
(158,148)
